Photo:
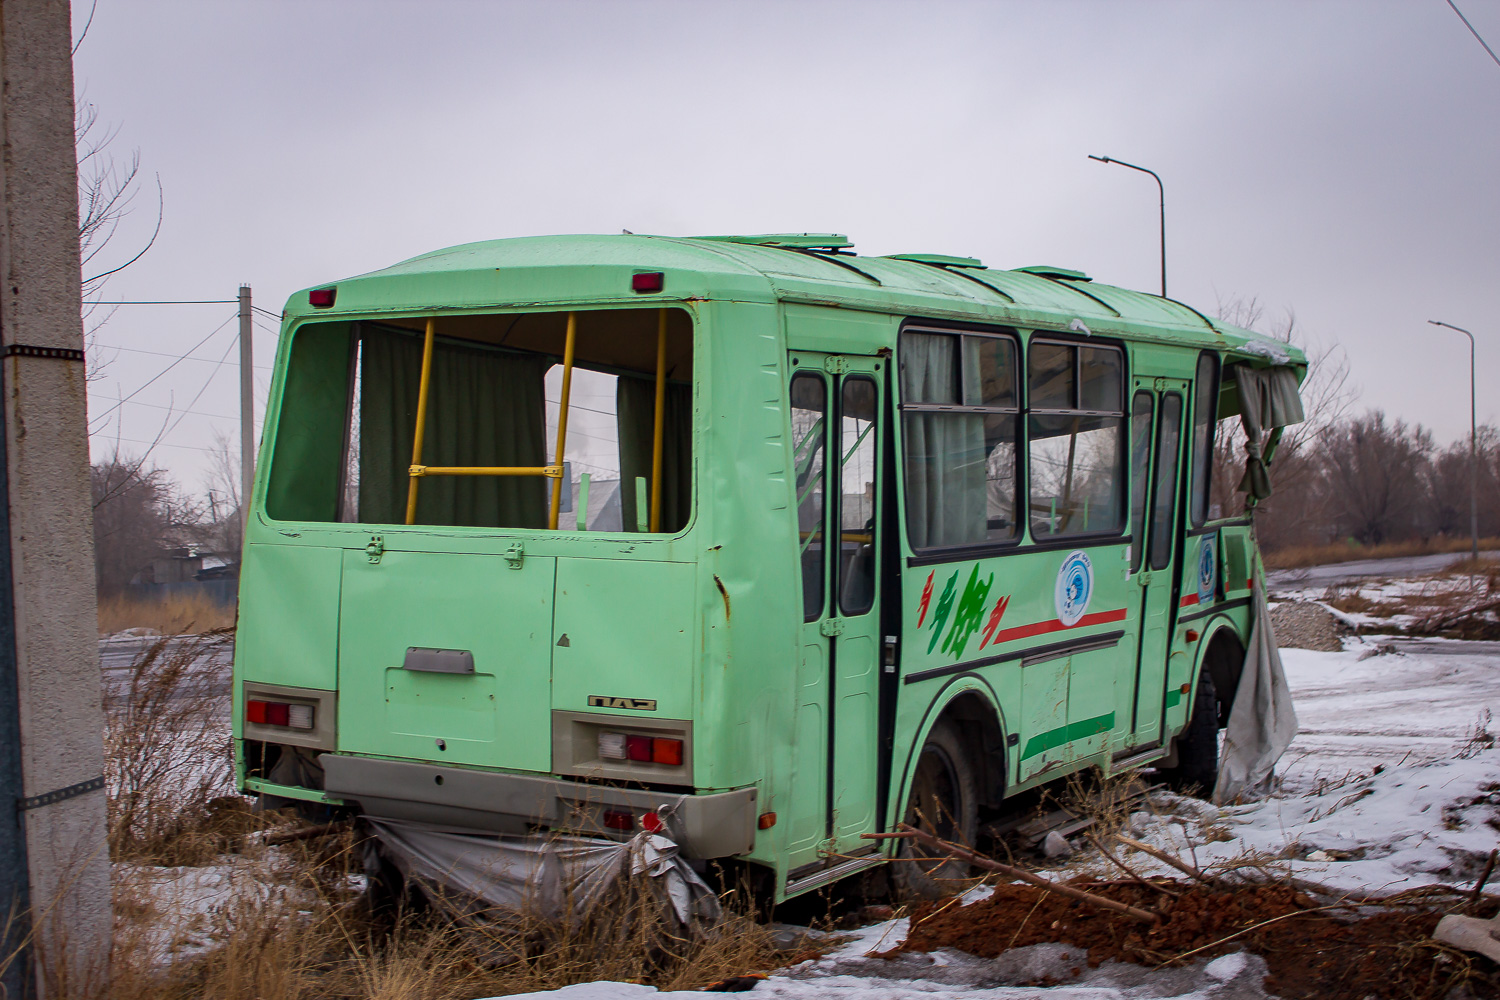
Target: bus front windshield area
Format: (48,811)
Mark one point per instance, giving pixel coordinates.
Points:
(488,393)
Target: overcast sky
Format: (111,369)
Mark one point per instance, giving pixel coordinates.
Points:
(1338,160)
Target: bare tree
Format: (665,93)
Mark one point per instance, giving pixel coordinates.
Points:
(1289,516)
(1375,478)
(226,525)
(137,513)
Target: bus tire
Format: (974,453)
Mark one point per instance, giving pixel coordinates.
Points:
(1197,769)
(944,801)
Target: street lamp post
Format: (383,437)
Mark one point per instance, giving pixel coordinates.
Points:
(1473,447)
(1163,204)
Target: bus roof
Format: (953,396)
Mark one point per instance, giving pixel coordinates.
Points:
(797,267)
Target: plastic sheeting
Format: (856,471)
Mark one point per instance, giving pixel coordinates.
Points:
(1262,721)
(553,875)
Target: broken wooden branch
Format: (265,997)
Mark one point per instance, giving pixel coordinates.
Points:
(963,854)
(1484,876)
(306,833)
(1127,870)
(1165,858)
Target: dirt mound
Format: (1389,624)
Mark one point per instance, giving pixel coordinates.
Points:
(1311,951)
(1305,625)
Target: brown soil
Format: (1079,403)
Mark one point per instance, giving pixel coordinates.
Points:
(1311,952)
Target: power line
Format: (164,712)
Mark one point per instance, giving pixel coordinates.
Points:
(166,444)
(1476,34)
(174,364)
(194,401)
(174,409)
(165,354)
(168,302)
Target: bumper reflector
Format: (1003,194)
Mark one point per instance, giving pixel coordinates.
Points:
(615,819)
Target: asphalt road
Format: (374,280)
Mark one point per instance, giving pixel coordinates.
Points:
(1364,569)
(209,666)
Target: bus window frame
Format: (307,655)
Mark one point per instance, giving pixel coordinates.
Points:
(1197,518)
(1123,534)
(933,554)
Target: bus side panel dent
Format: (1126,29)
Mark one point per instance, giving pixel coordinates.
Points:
(289,595)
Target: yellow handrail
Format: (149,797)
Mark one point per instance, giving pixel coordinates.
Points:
(551,471)
(562,418)
(416,447)
(661,398)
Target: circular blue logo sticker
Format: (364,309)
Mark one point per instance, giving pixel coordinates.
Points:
(1075,585)
(1208,570)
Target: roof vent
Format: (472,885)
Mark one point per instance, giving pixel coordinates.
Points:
(938,259)
(1047,271)
(793,241)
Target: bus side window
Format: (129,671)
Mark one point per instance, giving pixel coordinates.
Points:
(1077,448)
(809,396)
(1164,503)
(1140,473)
(857,495)
(1205,415)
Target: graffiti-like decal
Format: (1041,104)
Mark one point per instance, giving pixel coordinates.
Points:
(926,596)
(970,612)
(943,609)
(994,622)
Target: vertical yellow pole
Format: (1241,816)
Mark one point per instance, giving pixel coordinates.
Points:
(661,399)
(416,447)
(562,417)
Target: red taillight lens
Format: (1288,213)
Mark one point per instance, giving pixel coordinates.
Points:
(278,714)
(666,751)
(614,819)
(322,297)
(638,747)
(255,711)
(643,281)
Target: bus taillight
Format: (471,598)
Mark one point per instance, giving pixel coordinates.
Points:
(279,713)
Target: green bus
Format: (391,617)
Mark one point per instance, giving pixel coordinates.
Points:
(750,540)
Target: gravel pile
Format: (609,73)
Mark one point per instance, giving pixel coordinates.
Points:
(1305,625)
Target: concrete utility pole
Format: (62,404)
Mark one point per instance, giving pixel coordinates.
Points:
(247,403)
(54,860)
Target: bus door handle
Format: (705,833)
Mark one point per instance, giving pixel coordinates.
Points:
(831,626)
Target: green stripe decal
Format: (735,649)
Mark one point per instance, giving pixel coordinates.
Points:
(1067,734)
(1174,698)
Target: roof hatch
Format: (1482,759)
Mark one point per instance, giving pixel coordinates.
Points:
(1048,271)
(938,259)
(793,241)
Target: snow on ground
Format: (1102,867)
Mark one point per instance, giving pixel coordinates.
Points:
(1392,783)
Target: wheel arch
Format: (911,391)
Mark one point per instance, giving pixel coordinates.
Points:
(970,702)
(1222,655)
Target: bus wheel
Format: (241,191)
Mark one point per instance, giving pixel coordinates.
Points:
(944,801)
(1197,769)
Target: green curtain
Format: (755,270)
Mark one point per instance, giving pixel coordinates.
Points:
(635,408)
(945,452)
(484,408)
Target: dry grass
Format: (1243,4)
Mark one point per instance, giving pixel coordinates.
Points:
(173,615)
(1299,556)
(203,908)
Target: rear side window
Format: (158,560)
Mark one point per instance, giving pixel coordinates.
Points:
(960,417)
(1076,433)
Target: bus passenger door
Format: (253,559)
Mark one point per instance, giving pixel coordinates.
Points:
(1156,462)
(837,432)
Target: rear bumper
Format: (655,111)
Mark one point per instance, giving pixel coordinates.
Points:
(716,825)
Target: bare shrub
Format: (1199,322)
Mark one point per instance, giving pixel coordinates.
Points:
(167,759)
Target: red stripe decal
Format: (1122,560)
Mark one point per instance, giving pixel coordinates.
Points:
(1056,625)
(1190,600)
